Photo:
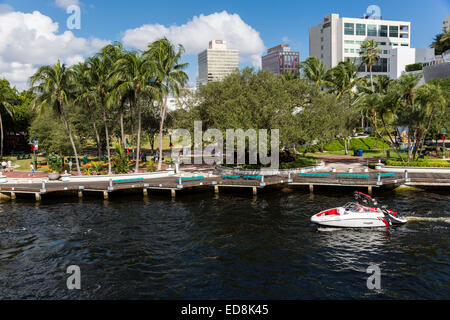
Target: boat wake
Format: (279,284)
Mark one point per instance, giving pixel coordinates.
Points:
(420,219)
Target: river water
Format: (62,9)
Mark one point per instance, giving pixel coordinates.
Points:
(230,246)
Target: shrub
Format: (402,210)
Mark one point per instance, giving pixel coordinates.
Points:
(420,163)
(54,162)
(414,67)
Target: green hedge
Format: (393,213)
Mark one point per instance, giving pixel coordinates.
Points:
(336,145)
(414,67)
(420,163)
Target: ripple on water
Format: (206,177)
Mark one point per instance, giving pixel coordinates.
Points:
(229,247)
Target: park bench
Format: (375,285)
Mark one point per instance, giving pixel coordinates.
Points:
(253,178)
(128,180)
(227,176)
(314,174)
(192,178)
(354,176)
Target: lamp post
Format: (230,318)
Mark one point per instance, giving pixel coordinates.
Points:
(444,137)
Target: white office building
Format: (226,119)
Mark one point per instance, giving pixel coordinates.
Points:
(216,62)
(336,39)
(446,24)
(401,57)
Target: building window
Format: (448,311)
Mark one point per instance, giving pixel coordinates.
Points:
(321,39)
(321,47)
(372,30)
(405,45)
(349,29)
(382,43)
(394,44)
(321,30)
(346,50)
(386,51)
(321,56)
(360,29)
(349,41)
(382,31)
(352,50)
(393,31)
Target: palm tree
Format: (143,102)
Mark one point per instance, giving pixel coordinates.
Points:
(135,73)
(431,100)
(441,43)
(403,92)
(54,85)
(314,70)
(343,79)
(169,77)
(87,97)
(370,55)
(6,95)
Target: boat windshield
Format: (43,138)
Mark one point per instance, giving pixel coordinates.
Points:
(352,206)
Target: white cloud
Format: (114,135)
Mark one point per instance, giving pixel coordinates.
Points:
(65,3)
(196,34)
(29,40)
(285,39)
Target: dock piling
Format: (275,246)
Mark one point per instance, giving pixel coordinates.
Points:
(216,189)
(37,196)
(173,193)
(311,188)
(255,191)
(105,195)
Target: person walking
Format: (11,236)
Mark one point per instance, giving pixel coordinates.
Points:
(70,166)
(10,166)
(32,169)
(4,166)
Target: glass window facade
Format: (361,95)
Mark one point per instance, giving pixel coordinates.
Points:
(349,29)
(372,30)
(382,31)
(393,31)
(360,29)
(349,41)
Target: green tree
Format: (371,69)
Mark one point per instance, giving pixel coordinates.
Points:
(170,76)
(54,85)
(370,54)
(313,70)
(135,73)
(7,95)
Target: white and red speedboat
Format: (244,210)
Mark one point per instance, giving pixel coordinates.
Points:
(357,215)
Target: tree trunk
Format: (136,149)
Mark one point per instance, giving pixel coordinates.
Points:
(138,147)
(122,130)
(108,149)
(161,126)
(63,116)
(390,138)
(1,132)
(97,135)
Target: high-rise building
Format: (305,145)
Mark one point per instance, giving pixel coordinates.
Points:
(216,62)
(336,39)
(446,24)
(280,59)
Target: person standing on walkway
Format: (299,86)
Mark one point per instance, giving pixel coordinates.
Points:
(10,167)
(4,166)
(70,166)
(32,169)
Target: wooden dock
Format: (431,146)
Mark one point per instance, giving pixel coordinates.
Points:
(370,181)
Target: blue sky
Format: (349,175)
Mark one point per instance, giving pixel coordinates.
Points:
(269,21)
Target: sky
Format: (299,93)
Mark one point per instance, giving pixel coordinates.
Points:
(36,32)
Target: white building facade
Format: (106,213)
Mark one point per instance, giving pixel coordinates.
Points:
(336,39)
(216,62)
(401,57)
(446,24)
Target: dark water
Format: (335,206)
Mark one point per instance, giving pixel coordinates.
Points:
(231,246)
